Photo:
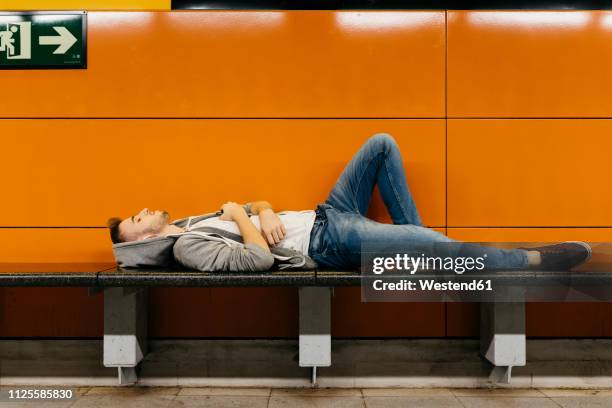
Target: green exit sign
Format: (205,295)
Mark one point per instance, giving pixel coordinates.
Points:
(44,40)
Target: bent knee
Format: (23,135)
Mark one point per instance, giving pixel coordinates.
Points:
(384,140)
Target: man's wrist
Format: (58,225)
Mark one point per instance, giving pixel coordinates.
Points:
(258,206)
(264,210)
(241,213)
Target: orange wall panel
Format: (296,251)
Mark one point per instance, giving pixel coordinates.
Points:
(552,319)
(86,5)
(529,63)
(55,245)
(79,173)
(529,173)
(593,235)
(244,64)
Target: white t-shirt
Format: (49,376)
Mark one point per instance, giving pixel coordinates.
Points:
(298,225)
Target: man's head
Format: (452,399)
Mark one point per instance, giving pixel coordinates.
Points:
(145,224)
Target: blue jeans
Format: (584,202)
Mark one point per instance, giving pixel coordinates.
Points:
(341,231)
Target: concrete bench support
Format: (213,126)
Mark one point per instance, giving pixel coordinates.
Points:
(125,330)
(315,328)
(502,338)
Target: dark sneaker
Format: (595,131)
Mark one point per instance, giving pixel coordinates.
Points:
(563,256)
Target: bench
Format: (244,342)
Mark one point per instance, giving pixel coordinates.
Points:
(503,340)
(125,304)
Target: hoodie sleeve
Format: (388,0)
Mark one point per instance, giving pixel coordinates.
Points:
(213,256)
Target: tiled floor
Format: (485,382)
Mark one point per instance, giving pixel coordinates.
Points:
(171,397)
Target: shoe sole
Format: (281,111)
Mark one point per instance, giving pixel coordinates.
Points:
(585,246)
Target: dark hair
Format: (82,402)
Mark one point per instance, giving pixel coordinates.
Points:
(113,225)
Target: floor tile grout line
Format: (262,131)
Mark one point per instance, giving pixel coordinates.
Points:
(555,402)
(364,403)
(459,400)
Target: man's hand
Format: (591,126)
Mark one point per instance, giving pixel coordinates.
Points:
(231,210)
(250,234)
(272,227)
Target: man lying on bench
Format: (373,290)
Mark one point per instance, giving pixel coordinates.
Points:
(255,238)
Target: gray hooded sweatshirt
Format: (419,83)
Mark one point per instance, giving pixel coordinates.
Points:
(207,249)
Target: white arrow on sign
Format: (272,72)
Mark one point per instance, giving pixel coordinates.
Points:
(65,40)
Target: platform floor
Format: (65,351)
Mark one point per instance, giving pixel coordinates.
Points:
(157,397)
